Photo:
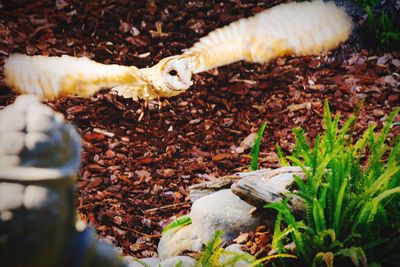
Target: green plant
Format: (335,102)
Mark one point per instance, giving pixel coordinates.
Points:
(255,149)
(380,25)
(351,193)
(180,222)
(212,251)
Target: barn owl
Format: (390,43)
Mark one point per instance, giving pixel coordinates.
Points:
(304,28)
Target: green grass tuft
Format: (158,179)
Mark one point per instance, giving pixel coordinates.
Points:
(255,149)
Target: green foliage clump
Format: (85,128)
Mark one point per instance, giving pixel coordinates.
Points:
(214,255)
(380,25)
(351,194)
(255,149)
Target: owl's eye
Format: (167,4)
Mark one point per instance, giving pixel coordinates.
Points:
(173,72)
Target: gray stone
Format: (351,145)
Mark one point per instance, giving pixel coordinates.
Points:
(224,211)
(235,248)
(103,256)
(172,262)
(11,196)
(132,262)
(176,241)
(38,197)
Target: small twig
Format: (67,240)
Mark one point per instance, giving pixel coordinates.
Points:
(236,79)
(144,55)
(167,207)
(84,206)
(101,131)
(297,107)
(41,28)
(137,232)
(141,116)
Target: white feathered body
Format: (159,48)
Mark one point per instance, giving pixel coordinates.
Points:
(295,28)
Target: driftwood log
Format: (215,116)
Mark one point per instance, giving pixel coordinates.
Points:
(271,186)
(257,187)
(200,190)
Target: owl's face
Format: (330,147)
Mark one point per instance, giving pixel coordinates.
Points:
(170,77)
(177,74)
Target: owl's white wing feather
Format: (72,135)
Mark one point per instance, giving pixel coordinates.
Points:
(50,77)
(295,28)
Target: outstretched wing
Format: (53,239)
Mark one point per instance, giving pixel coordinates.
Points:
(294,28)
(50,77)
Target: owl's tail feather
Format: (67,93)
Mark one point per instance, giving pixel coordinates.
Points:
(51,77)
(303,28)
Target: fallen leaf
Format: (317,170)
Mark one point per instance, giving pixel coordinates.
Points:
(389,79)
(221,156)
(93,137)
(382,60)
(242,238)
(248,142)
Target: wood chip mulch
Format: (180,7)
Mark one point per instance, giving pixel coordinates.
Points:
(138,162)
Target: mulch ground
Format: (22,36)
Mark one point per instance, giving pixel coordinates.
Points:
(138,162)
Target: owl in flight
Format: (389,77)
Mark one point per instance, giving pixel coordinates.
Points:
(305,28)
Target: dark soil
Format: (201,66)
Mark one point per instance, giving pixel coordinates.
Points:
(135,173)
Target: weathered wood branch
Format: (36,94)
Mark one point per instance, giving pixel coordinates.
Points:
(257,188)
(269,187)
(200,190)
